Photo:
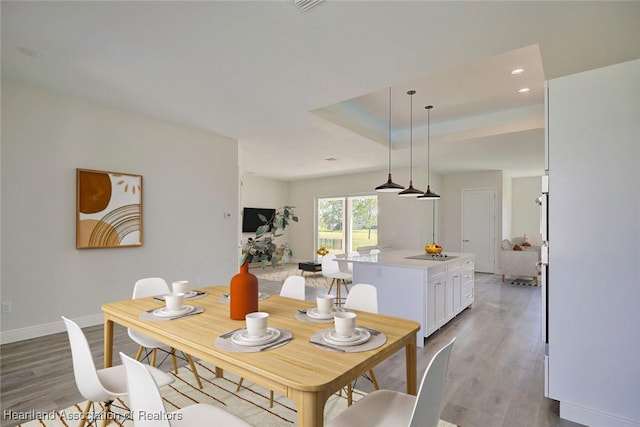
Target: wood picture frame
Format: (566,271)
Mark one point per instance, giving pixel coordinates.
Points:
(108,209)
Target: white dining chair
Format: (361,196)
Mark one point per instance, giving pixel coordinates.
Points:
(338,272)
(294,287)
(363,297)
(100,385)
(384,408)
(154,286)
(145,399)
(374,251)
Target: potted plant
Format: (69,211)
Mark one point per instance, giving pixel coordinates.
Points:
(262,248)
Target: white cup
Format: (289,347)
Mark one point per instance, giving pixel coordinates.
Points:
(181,287)
(174,301)
(345,323)
(325,303)
(257,323)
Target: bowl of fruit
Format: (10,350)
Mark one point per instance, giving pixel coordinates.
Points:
(432,248)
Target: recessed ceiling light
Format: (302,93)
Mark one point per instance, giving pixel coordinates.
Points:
(524,90)
(331,159)
(31,53)
(517,71)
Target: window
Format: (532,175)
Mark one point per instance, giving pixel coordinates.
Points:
(346,223)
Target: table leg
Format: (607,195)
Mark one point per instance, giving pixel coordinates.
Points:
(411,353)
(310,406)
(108,343)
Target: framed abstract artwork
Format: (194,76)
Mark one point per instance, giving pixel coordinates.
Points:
(108,209)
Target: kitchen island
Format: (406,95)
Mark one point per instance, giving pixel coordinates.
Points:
(414,285)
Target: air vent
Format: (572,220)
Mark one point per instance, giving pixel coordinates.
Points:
(305,5)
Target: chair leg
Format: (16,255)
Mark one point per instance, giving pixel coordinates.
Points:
(153,357)
(175,360)
(193,368)
(240,384)
(139,353)
(535,280)
(85,412)
(349,394)
(106,414)
(503,278)
(374,380)
(331,286)
(271,399)
(346,288)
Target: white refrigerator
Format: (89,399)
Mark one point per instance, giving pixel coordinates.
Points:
(591,288)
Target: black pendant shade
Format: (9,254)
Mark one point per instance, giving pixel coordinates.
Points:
(389,186)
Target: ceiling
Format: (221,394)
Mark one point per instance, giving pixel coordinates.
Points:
(296,88)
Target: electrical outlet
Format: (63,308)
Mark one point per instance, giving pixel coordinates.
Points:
(7,307)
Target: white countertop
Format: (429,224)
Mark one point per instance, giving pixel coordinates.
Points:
(398,258)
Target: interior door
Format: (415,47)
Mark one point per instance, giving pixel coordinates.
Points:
(478,227)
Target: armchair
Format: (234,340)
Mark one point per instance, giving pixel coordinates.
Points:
(520,263)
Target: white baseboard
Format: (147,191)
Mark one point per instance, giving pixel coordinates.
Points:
(44,329)
(592,417)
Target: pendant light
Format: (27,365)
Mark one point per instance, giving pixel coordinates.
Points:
(429,195)
(389,186)
(410,191)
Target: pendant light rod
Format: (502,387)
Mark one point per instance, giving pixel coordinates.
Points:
(433,223)
(389,186)
(410,191)
(429,195)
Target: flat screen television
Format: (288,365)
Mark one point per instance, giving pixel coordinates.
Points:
(251,221)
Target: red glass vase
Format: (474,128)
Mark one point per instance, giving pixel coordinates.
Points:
(244,293)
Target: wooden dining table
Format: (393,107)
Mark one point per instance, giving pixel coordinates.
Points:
(299,370)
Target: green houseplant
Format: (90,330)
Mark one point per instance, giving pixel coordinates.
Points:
(263,248)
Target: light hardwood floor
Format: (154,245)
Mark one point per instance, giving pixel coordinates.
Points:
(495,374)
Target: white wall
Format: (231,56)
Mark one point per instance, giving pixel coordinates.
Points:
(190,179)
(452,185)
(594,230)
(507,186)
(525,212)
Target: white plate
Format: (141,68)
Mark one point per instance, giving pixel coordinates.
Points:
(315,314)
(242,337)
(359,336)
(163,312)
(190,294)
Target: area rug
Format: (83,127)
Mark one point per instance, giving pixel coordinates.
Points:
(281,272)
(251,403)
(525,282)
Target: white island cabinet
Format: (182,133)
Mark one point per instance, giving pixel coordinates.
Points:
(431,292)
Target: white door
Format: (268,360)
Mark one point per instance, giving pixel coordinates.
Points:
(478,227)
